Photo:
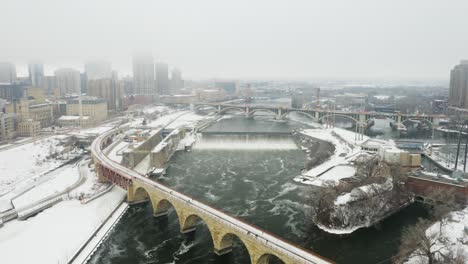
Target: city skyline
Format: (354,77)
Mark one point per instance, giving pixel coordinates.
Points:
(244,40)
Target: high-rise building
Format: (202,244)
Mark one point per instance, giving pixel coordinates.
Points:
(177,83)
(94,108)
(98,70)
(458,93)
(83,82)
(110,89)
(11,91)
(36,74)
(49,84)
(7,72)
(230,87)
(143,74)
(7,127)
(162,78)
(68,81)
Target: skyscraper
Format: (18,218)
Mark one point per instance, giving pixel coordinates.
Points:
(110,89)
(36,74)
(162,78)
(177,83)
(458,93)
(67,81)
(98,70)
(143,74)
(7,72)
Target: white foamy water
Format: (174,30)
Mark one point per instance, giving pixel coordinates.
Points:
(244,142)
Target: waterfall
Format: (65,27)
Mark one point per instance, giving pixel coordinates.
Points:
(244,142)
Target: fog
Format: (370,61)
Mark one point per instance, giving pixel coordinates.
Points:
(295,39)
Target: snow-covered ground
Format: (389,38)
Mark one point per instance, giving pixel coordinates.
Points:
(165,120)
(346,145)
(154,109)
(56,182)
(116,153)
(456,231)
(28,161)
(55,234)
(189,119)
(333,176)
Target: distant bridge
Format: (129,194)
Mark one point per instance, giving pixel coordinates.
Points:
(318,115)
(260,244)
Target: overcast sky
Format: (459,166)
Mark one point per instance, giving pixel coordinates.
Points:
(293,39)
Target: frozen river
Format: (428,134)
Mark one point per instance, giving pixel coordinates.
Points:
(255,184)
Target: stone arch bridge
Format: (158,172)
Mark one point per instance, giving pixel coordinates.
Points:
(223,228)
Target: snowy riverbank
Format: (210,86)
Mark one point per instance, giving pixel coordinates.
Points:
(455,232)
(346,145)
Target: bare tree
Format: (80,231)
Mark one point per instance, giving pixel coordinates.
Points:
(432,245)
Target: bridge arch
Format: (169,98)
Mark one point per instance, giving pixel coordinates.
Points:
(262,110)
(201,107)
(238,109)
(162,207)
(341,115)
(269,259)
(188,224)
(300,112)
(224,243)
(419,120)
(141,194)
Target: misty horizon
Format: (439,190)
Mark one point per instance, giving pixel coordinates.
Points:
(303,40)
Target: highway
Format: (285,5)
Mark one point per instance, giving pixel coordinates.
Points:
(271,241)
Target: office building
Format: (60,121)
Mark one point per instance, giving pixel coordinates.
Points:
(162,79)
(95,108)
(67,81)
(98,70)
(30,109)
(36,75)
(49,84)
(177,84)
(29,128)
(143,75)
(11,91)
(459,85)
(229,87)
(7,72)
(109,89)
(7,127)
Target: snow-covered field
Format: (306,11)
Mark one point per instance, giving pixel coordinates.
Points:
(55,234)
(27,161)
(56,182)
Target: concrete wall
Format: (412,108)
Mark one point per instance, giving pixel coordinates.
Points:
(132,157)
(166,148)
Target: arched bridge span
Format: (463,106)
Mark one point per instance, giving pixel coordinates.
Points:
(222,227)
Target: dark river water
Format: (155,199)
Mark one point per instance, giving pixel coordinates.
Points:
(255,184)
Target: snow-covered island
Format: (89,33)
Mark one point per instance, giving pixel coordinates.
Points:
(359,184)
